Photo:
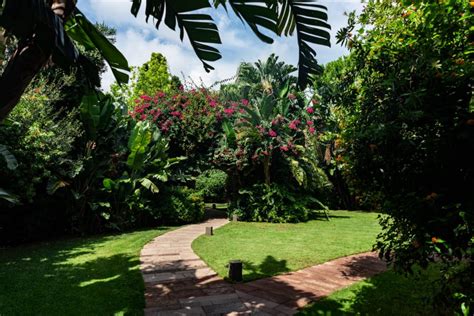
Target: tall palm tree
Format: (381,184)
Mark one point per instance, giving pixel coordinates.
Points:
(267,77)
(45,29)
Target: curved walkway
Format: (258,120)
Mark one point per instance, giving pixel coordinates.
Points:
(178,282)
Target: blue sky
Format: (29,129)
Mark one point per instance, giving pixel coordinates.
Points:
(137,40)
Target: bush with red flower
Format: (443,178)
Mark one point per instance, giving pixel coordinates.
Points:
(191,119)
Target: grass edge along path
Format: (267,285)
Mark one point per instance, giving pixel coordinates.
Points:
(388,293)
(268,249)
(83,276)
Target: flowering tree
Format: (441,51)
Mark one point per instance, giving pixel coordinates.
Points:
(190,119)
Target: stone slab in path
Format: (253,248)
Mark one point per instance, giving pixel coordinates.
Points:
(178,282)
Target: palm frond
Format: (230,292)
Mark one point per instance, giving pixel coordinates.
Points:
(199,27)
(256,13)
(309,20)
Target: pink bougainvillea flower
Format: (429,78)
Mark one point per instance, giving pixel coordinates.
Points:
(212,103)
(314,101)
(294,124)
(265,153)
(272,133)
(161,94)
(312,130)
(241,111)
(309,123)
(181,88)
(284,148)
(229,111)
(310,110)
(176,114)
(291,96)
(260,129)
(143,117)
(255,157)
(146,98)
(245,102)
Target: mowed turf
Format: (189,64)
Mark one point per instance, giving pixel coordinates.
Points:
(389,294)
(92,276)
(268,249)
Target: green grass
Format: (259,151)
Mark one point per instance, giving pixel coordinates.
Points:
(93,276)
(268,249)
(386,294)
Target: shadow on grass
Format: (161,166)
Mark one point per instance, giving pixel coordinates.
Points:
(388,293)
(269,266)
(69,278)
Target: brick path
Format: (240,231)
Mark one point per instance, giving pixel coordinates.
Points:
(177,282)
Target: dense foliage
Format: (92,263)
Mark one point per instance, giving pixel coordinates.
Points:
(400,129)
(211,184)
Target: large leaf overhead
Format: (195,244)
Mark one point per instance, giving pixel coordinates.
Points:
(310,22)
(23,17)
(199,27)
(256,13)
(282,17)
(84,32)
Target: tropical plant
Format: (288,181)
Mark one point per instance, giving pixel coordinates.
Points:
(147,165)
(264,77)
(271,140)
(45,20)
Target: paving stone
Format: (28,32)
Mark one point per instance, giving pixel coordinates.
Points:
(178,282)
(225,308)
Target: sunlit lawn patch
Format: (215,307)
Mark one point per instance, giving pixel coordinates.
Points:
(268,249)
(92,276)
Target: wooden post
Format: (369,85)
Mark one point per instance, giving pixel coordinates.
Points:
(235,270)
(235,218)
(209,231)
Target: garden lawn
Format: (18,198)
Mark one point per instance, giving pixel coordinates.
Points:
(93,276)
(269,249)
(386,294)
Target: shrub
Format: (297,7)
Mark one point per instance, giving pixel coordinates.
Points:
(179,205)
(211,184)
(409,136)
(273,203)
(42,140)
